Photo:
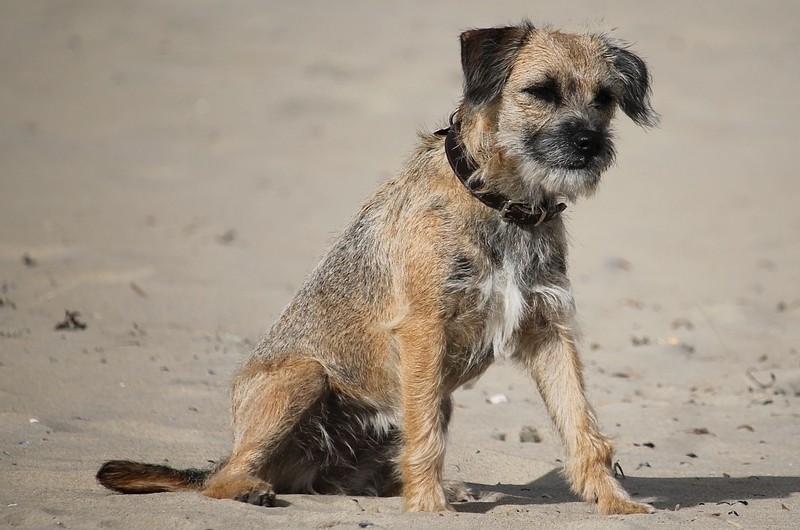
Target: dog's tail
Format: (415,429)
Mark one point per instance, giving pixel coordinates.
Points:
(125,476)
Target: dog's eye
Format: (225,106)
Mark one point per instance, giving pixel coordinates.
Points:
(546,91)
(603,98)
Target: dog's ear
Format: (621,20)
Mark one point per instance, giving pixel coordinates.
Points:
(634,77)
(486,58)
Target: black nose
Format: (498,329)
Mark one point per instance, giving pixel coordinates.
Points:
(588,142)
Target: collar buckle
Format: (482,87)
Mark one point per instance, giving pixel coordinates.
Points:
(513,211)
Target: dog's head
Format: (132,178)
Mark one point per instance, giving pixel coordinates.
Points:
(549,98)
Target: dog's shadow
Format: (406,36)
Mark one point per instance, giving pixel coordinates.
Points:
(662,493)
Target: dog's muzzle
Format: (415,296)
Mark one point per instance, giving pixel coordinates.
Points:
(571,146)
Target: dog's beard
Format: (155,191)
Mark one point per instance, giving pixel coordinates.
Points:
(550,167)
(561,181)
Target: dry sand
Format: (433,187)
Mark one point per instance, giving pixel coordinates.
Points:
(173,169)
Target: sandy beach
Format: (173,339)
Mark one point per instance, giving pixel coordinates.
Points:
(172,170)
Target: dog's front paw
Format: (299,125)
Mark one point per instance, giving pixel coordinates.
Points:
(621,505)
(428,505)
(431,499)
(458,492)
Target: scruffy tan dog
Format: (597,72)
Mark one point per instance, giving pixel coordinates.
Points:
(456,262)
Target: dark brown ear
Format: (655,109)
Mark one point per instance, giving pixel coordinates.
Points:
(634,77)
(486,58)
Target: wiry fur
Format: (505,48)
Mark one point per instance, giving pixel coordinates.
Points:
(349,392)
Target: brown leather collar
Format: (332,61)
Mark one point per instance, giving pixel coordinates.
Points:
(517,212)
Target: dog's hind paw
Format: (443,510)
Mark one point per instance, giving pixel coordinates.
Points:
(242,488)
(257,497)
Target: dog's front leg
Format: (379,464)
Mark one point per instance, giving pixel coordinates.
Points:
(557,370)
(421,342)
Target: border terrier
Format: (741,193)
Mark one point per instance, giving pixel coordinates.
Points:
(458,261)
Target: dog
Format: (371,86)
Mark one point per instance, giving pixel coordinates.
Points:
(458,261)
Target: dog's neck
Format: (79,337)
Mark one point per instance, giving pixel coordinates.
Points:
(473,176)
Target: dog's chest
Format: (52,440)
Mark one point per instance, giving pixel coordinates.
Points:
(528,284)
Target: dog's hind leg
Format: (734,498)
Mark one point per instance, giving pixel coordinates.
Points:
(269,400)
(557,370)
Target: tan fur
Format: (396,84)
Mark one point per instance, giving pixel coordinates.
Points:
(350,391)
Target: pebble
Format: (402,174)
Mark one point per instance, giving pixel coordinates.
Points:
(497,398)
(529,434)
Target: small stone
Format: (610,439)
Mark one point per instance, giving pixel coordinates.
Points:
(226,237)
(497,398)
(618,263)
(529,434)
(680,322)
(632,303)
(699,430)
